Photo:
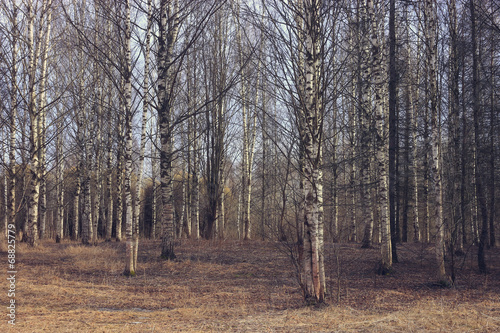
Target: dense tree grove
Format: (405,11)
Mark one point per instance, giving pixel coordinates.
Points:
(304,122)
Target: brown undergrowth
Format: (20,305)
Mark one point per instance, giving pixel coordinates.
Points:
(244,287)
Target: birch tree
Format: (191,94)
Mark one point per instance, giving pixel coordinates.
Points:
(145,110)
(59,223)
(365,119)
(32,227)
(130,268)
(430,17)
(42,103)
(13,115)
(478,177)
(382,144)
(168,31)
(454,116)
(310,129)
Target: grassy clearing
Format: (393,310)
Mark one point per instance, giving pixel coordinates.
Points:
(243,287)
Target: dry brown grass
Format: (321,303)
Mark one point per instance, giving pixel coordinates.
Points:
(242,287)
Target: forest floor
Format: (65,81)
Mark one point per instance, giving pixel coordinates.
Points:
(234,286)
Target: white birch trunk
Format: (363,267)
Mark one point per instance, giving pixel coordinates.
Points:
(382,145)
(119,174)
(129,218)
(97,168)
(167,40)
(196,193)
(413,100)
(310,114)
(247,154)
(32,216)
(145,108)
(42,120)
(153,182)
(431,50)
(98,102)
(13,117)
(86,143)
(109,158)
(366,68)
(59,182)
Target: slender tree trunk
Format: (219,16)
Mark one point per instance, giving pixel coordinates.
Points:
(59,182)
(153,185)
(249,134)
(42,102)
(483,239)
(32,216)
(414,94)
(352,177)
(310,131)
(431,50)
(492,144)
(129,218)
(87,226)
(109,186)
(97,168)
(455,128)
(463,159)
(382,147)
(188,195)
(13,117)
(193,153)
(196,190)
(365,119)
(119,174)
(109,158)
(86,142)
(393,142)
(167,39)
(98,102)
(406,165)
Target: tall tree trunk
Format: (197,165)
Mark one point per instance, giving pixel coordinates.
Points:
(431,50)
(42,102)
(382,145)
(119,169)
(32,216)
(98,102)
(352,175)
(365,121)
(393,145)
(109,157)
(97,166)
(406,165)
(194,200)
(455,128)
(86,145)
(196,189)
(154,210)
(167,39)
(249,134)
(414,97)
(13,117)
(59,181)
(492,141)
(87,226)
(109,185)
(129,218)
(483,239)
(464,159)
(311,118)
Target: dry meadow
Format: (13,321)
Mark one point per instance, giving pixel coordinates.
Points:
(244,287)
